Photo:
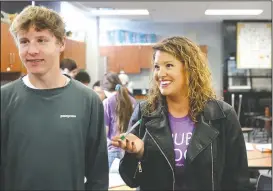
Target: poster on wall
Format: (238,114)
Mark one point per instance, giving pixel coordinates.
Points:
(253,45)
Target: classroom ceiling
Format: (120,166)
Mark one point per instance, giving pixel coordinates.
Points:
(181,11)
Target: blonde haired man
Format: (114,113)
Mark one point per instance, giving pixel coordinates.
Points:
(52,130)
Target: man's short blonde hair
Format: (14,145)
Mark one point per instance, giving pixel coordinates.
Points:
(41,18)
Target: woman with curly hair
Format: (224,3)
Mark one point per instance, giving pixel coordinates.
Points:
(187,138)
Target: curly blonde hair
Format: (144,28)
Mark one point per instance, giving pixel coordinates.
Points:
(198,79)
(41,18)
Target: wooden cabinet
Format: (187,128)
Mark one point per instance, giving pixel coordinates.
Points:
(204,49)
(75,50)
(131,59)
(146,57)
(110,53)
(10,60)
(128,58)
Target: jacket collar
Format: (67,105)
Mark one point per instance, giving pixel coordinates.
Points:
(213,111)
(202,137)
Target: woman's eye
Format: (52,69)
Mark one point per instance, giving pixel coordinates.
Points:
(169,65)
(156,67)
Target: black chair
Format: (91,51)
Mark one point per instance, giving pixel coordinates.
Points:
(264,183)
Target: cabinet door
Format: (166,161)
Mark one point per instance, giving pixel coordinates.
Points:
(67,53)
(204,49)
(146,56)
(110,53)
(79,53)
(5,56)
(75,50)
(128,58)
(17,65)
(10,61)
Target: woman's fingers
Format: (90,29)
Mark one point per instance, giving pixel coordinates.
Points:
(122,144)
(134,149)
(115,143)
(128,145)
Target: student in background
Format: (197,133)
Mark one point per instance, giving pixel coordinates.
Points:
(187,140)
(118,108)
(69,67)
(52,126)
(124,78)
(83,77)
(97,88)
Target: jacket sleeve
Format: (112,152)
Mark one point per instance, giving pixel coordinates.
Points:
(235,175)
(128,163)
(96,157)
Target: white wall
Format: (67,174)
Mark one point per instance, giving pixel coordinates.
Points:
(209,34)
(88,32)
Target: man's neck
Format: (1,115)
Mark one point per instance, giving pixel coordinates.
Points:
(179,106)
(47,81)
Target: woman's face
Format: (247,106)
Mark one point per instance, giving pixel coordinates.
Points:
(169,74)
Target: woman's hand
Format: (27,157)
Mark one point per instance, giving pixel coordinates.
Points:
(131,144)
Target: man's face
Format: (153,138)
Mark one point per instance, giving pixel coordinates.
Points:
(100,92)
(39,51)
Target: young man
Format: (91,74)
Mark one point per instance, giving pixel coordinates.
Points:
(52,130)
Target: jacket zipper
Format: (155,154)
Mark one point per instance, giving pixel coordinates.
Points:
(164,156)
(212,177)
(139,168)
(211,153)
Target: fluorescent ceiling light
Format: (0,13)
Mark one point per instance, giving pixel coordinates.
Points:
(233,12)
(119,12)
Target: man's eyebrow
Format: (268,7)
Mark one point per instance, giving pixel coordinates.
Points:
(41,36)
(22,38)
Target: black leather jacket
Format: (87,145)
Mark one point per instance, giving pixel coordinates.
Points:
(216,158)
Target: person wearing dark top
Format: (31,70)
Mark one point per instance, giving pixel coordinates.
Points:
(52,126)
(83,77)
(98,89)
(187,138)
(69,67)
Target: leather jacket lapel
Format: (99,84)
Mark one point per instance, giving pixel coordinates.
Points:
(202,137)
(158,126)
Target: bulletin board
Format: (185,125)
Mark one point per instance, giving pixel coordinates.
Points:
(253,45)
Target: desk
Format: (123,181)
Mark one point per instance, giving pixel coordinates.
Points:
(263,118)
(248,131)
(259,160)
(122,188)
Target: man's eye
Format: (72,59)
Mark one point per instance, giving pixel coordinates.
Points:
(41,40)
(23,41)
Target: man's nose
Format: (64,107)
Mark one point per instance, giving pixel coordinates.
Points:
(32,49)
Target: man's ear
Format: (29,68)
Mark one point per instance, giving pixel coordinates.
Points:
(62,47)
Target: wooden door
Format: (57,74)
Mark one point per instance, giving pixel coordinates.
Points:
(79,53)
(145,55)
(204,49)
(67,53)
(5,56)
(110,53)
(76,51)
(17,65)
(128,58)
(10,60)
